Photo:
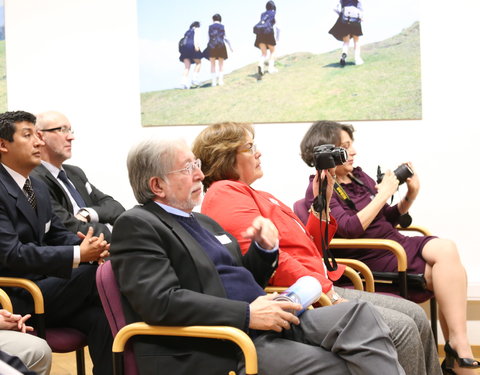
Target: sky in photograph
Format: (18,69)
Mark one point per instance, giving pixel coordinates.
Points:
(2,13)
(303,24)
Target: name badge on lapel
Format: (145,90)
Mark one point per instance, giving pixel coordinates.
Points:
(47,226)
(224,239)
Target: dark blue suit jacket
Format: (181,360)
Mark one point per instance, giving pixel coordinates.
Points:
(33,245)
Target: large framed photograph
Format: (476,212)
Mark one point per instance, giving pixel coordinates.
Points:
(192,78)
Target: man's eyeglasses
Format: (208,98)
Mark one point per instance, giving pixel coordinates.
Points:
(190,166)
(61,129)
(250,148)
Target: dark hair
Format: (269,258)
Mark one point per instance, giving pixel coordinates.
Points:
(270,5)
(217,17)
(195,24)
(8,121)
(216,146)
(321,133)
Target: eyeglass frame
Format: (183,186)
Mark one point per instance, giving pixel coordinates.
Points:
(252,149)
(65,130)
(191,165)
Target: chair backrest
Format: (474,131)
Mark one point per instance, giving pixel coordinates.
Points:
(112,304)
(301,210)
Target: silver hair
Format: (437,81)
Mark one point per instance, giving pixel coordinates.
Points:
(150,158)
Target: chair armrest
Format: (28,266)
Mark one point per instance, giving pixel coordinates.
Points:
(30,286)
(5,301)
(216,332)
(34,290)
(416,228)
(354,278)
(373,243)
(363,269)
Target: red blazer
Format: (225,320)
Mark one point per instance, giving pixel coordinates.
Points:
(234,205)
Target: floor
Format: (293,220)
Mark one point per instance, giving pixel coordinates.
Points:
(64,364)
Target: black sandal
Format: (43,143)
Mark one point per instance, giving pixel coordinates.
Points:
(451,356)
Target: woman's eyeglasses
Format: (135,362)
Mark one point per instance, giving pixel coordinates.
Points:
(250,148)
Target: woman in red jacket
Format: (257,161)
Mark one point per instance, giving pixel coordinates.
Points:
(231,163)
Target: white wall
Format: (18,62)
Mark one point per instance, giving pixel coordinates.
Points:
(80,57)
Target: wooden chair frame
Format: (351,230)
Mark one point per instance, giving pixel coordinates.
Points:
(215,332)
(402,262)
(39,310)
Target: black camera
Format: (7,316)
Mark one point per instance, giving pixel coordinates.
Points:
(402,173)
(329,156)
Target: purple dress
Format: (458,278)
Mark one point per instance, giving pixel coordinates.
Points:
(383,226)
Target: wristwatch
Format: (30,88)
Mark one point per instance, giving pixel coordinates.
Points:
(334,298)
(84,213)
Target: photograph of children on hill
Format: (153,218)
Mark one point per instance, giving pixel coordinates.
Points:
(299,66)
(3,72)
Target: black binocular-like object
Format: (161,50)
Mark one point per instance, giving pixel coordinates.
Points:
(402,173)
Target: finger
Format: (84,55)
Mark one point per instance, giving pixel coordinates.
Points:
(285,324)
(5,313)
(248,233)
(25,318)
(291,318)
(286,305)
(88,235)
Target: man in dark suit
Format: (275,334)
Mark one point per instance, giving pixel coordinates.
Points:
(34,244)
(175,267)
(77,202)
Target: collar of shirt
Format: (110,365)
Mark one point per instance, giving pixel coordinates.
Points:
(55,171)
(173,210)
(176,211)
(51,168)
(19,179)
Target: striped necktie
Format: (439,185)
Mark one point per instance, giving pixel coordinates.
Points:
(29,193)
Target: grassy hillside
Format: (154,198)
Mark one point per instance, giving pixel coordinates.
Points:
(307,88)
(3,78)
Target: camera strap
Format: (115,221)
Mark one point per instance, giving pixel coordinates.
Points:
(320,206)
(344,196)
(404,220)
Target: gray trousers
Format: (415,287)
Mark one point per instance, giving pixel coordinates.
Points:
(34,352)
(409,329)
(348,338)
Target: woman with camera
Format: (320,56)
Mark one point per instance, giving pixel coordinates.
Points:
(231,163)
(361,209)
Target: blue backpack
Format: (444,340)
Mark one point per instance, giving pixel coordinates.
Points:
(216,33)
(183,42)
(265,25)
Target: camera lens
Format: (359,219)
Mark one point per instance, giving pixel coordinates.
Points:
(402,173)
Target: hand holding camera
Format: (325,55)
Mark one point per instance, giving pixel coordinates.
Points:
(327,157)
(388,185)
